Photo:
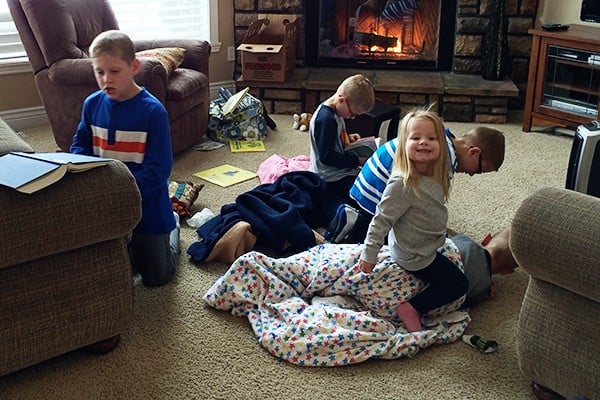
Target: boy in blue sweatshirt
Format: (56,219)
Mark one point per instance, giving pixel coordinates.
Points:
(124,121)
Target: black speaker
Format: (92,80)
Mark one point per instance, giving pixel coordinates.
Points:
(583,173)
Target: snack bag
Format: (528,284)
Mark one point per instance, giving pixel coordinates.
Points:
(183,195)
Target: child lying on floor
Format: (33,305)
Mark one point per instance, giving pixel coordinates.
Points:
(481,261)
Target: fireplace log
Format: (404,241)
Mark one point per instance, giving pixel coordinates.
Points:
(372,39)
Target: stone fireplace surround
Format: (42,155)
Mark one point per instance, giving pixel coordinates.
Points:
(460,94)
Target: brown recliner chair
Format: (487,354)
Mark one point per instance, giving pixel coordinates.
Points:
(56,35)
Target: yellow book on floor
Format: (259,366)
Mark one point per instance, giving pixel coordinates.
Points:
(242,146)
(225,175)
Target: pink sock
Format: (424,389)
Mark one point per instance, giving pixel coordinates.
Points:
(410,317)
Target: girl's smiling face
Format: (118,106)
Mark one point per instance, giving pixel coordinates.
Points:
(422,144)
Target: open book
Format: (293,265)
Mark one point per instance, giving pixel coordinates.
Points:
(363,147)
(225,175)
(30,172)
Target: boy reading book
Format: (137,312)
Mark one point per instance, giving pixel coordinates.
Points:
(328,138)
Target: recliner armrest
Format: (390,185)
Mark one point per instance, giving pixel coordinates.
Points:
(72,71)
(79,210)
(555,237)
(153,77)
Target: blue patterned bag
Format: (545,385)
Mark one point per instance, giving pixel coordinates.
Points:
(242,121)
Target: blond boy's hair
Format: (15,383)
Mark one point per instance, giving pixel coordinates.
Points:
(490,141)
(115,43)
(405,167)
(359,91)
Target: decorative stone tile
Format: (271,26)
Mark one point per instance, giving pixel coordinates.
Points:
(519,25)
(243,5)
(467,45)
(287,107)
(470,25)
(283,94)
(490,119)
(520,46)
(529,8)
(296,6)
(457,112)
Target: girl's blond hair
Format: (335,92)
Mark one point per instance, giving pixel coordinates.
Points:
(405,167)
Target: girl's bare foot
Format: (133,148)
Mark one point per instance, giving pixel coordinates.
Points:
(410,317)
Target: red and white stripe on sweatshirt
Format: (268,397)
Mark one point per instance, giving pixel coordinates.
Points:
(129,146)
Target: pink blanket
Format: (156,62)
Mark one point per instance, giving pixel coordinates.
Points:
(276,165)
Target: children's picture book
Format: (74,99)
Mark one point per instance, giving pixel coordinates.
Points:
(363,147)
(30,172)
(225,175)
(242,146)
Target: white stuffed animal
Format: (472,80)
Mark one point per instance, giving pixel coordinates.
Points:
(301,121)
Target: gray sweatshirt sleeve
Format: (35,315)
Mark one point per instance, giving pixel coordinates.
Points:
(393,204)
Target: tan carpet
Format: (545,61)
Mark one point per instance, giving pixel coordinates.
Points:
(178,348)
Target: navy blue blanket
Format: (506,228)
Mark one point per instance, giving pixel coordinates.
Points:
(285,210)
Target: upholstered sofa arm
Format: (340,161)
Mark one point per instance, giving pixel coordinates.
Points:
(9,141)
(555,237)
(75,71)
(80,210)
(197,52)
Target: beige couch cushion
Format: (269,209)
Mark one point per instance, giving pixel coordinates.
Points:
(10,141)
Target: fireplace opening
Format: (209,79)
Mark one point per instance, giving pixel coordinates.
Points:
(394,34)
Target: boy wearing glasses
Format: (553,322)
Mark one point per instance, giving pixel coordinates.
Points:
(328,138)
(479,150)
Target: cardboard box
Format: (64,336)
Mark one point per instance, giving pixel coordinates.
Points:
(269,49)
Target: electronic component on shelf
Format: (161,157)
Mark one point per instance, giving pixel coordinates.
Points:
(575,108)
(555,27)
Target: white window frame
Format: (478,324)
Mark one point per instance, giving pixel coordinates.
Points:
(21,64)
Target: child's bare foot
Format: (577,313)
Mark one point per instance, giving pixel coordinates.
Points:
(410,317)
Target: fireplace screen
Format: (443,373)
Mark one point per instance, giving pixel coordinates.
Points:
(392,33)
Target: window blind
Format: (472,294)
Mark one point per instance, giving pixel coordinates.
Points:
(10,43)
(163,19)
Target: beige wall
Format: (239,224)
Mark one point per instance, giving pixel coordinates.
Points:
(221,69)
(19,91)
(561,11)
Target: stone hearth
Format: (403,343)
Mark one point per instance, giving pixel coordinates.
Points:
(457,97)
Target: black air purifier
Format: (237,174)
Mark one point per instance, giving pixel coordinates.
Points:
(583,174)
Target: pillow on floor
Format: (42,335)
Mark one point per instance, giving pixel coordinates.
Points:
(169,57)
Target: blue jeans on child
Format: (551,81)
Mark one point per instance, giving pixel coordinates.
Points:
(154,257)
